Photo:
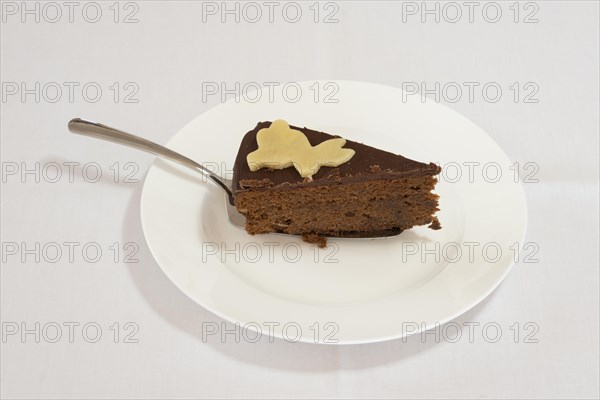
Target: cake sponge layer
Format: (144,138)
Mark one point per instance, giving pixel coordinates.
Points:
(380,207)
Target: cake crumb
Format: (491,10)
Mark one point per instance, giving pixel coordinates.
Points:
(435,224)
(334,175)
(320,241)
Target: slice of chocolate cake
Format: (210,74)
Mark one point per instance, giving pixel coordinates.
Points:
(304,182)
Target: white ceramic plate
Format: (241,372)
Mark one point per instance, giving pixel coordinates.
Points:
(356,290)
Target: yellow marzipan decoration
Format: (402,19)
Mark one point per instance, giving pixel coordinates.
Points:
(280,147)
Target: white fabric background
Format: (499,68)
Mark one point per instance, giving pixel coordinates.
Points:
(169,53)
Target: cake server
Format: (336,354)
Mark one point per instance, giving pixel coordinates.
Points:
(100,131)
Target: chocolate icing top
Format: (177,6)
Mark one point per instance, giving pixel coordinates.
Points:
(368,163)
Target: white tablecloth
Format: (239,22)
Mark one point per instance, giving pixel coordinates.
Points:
(154,74)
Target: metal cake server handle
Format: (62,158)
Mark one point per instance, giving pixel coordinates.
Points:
(100,131)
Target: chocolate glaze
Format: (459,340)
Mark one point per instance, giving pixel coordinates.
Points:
(368,163)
